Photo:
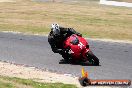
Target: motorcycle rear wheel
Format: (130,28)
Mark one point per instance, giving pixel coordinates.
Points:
(92,58)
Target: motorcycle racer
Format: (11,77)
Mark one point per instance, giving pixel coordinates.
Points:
(57,36)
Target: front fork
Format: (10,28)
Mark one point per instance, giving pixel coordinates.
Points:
(85,58)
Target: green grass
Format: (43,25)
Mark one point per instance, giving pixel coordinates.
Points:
(87,16)
(8,82)
(6,85)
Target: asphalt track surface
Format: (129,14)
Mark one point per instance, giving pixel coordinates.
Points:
(115,58)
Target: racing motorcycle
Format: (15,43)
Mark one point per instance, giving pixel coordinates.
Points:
(78,50)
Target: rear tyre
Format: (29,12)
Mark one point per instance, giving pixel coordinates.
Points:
(92,58)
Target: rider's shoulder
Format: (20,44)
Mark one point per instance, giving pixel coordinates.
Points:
(65,28)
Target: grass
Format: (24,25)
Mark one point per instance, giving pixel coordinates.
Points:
(86,16)
(8,82)
(5,85)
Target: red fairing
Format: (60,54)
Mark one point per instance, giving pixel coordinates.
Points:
(77,46)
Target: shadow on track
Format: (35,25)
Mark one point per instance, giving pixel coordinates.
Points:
(62,61)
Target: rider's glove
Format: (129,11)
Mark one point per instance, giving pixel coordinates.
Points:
(79,34)
(87,46)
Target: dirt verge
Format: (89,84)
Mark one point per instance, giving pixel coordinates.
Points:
(21,71)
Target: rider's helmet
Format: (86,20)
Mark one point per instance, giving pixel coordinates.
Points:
(55,29)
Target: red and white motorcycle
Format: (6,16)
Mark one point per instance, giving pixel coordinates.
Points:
(79,50)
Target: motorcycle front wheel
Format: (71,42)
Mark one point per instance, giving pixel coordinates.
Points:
(92,58)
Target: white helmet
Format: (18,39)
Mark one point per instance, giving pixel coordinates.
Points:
(56,30)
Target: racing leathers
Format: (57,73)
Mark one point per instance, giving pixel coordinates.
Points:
(56,42)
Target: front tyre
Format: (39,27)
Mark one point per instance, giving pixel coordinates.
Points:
(92,58)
